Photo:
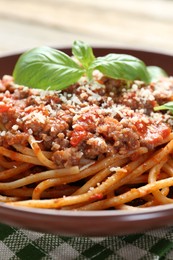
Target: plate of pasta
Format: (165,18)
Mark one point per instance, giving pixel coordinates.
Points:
(86,141)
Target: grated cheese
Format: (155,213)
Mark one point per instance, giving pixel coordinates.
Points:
(117,169)
(15,127)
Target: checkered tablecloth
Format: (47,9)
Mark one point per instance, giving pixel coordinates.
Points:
(16,244)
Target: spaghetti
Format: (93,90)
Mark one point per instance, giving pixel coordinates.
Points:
(90,147)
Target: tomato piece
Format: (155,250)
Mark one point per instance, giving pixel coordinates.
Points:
(153,133)
(97,196)
(4,108)
(78,134)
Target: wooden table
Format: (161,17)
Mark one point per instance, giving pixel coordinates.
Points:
(146,24)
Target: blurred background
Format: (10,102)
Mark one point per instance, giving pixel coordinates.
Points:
(144,24)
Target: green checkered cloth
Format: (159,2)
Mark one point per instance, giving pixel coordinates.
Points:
(16,244)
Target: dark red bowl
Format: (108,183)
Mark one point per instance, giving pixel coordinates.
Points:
(91,223)
(165,61)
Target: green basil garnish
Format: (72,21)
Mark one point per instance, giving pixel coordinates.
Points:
(83,53)
(45,67)
(121,66)
(166,106)
(156,73)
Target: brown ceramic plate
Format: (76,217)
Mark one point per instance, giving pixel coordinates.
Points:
(96,223)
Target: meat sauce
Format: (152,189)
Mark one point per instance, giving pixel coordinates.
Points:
(86,121)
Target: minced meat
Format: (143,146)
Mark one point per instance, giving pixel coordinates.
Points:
(85,121)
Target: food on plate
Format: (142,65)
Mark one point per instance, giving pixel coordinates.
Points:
(84,132)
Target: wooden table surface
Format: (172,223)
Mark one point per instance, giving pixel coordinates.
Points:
(144,24)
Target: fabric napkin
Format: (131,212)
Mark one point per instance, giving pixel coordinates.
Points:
(23,244)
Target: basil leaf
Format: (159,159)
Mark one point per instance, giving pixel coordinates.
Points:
(83,53)
(121,66)
(166,106)
(156,73)
(45,67)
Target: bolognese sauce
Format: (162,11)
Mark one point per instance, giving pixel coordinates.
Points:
(86,121)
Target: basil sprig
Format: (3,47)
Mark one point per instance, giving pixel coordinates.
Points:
(45,67)
(83,53)
(166,106)
(156,73)
(121,66)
